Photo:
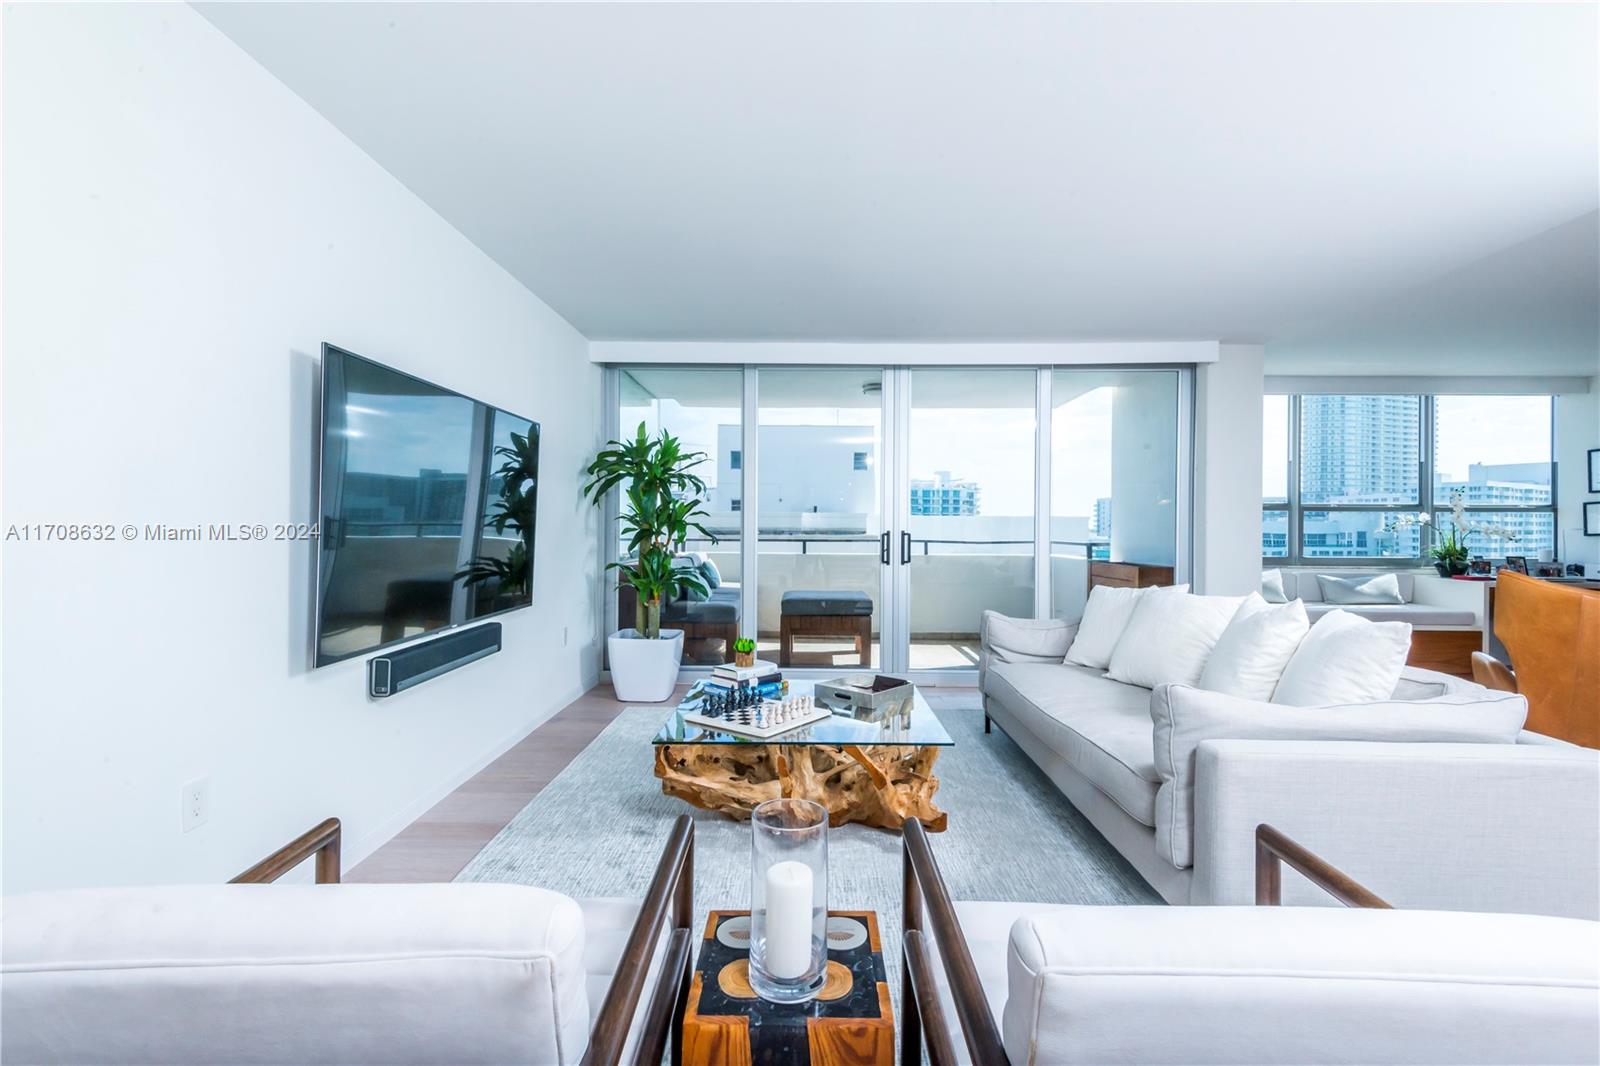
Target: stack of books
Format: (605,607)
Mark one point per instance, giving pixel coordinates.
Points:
(763,677)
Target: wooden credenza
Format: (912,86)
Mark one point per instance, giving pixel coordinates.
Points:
(1128,575)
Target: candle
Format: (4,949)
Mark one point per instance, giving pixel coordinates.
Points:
(787,951)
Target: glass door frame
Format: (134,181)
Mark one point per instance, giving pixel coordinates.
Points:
(894,487)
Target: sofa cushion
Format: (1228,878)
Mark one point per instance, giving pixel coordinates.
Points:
(457,973)
(1258,643)
(1026,640)
(1100,726)
(1185,717)
(1170,636)
(1416,614)
(1105,616)
(1379,588)
(1272,589)
(1345,659)
(830,602)
(1270,985)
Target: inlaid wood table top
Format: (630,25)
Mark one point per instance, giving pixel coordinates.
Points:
(849,1024)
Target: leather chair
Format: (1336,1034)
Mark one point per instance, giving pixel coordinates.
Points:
(331,973)
(1240,985)
(1552,633)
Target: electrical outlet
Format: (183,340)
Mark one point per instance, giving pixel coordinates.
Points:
(196,797)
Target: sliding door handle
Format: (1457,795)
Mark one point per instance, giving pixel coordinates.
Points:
(905,546)
(883,548)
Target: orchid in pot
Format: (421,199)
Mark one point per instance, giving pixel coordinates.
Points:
(1448,549)
(661,497)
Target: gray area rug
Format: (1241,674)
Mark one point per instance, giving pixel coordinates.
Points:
(598,828)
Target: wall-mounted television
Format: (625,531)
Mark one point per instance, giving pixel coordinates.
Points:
(427,507)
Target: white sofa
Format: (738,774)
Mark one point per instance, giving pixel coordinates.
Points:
(1448,826)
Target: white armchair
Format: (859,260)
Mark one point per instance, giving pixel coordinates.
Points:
(1242,985)
(330,973)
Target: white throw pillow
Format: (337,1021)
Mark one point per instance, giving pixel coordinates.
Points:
(1105,616)
(1026,640)
(1170,636)
(1272,587)
(1378,588)
(1250,655)
(1184,717)
(1345,659)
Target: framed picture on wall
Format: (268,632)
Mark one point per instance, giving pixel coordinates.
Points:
(1594,469)
(1591,518)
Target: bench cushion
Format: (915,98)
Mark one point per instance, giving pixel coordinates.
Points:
(830,602)
(1415,613)
(722,606)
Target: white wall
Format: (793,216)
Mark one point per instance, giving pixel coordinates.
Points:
(1577,430)
(181,231)
(1227,518)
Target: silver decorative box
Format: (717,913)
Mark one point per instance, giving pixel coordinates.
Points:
(869,697)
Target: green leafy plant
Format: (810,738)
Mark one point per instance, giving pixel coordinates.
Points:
(662,506)
(744,645)
(513,510)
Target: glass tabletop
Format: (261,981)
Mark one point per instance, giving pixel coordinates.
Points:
(909,722)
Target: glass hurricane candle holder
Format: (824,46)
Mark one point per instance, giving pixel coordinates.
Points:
(788,900)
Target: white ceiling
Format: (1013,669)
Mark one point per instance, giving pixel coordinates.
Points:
(963,172)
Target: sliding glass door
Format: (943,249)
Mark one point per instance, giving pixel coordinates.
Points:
(968,535)
(866,517)
(819,517)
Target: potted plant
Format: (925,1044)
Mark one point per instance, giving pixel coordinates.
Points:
(1449,550)
(662,505)
(744,652)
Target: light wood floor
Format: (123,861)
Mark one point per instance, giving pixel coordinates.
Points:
(438,845)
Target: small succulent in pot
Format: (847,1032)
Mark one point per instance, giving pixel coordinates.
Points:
(744,652)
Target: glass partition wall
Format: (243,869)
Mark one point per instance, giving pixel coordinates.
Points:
(866,517)
(1113,476)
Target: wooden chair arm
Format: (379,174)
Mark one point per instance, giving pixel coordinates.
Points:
(322,841)
(1492,673)
(924,889)
(672,888)
(1273,849)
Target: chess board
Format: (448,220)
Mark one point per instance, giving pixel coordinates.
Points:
(743,722)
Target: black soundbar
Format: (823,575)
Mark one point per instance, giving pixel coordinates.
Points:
(402,668)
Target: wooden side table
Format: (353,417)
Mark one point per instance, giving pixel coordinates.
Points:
(849,1024)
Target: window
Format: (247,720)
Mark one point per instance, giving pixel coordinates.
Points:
(1343,476)
(859,462)
(735,459)
(735,506)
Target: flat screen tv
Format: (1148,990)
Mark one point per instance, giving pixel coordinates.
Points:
(427,508)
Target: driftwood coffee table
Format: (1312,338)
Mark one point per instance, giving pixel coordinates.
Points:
(875,769)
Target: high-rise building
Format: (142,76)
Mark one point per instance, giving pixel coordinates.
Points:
(942,495)
(1100,524)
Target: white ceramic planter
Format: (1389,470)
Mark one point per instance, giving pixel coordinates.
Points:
(644,671)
